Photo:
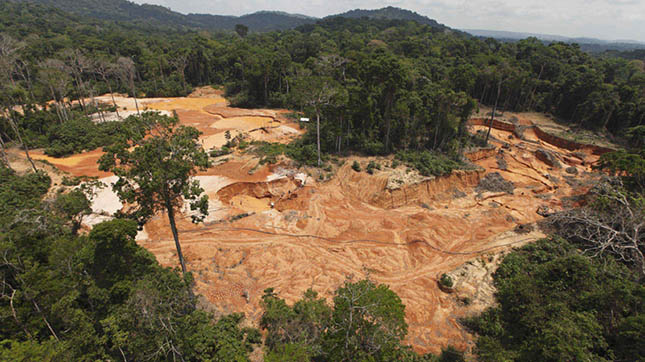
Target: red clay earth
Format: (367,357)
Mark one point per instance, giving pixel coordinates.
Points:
(276,227)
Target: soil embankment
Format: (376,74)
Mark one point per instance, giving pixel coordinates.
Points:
(275,226)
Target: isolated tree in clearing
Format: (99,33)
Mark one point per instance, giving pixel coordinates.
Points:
(155,161)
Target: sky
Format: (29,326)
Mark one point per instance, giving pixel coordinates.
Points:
(602,19)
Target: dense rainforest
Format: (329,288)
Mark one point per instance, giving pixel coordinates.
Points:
(377,87)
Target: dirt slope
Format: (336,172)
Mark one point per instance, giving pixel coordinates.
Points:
(277,227)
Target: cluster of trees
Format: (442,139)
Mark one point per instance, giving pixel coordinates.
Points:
(365,323)
(374,86)
(95,296)
(556,304)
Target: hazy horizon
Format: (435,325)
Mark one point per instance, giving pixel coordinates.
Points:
(601,19)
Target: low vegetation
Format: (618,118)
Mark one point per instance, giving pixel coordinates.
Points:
(429,163)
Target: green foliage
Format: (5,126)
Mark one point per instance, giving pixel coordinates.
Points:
(428,163)
(70,181)
(17,193)
(46,351)
(155,161)
(555,304)
(446,280)
(297,151)
(155,171)
(630,165)
(99,296)
(220,152)
(73,206)
(366,323)
(78,135)
(356,166)
(392,86)
(371,166)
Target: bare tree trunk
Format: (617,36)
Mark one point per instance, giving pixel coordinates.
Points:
(530,97)
(175,235)
(3,151)
(134,95)
(388,121)
(318,136)
(24,146)
(111,95)
(58,110)
(492,117)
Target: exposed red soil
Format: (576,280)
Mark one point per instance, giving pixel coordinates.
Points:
(293,236)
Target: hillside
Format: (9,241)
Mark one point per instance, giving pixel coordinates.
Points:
(391,13)
(123,10)
(261,21)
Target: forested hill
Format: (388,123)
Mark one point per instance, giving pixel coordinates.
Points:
(126,11)
(261,21)
(392,13)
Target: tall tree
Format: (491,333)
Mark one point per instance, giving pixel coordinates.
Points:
(316,92)
(106,69)
(155,162)
(127,71)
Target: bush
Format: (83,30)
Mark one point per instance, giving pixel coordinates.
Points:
(446,280)
(80,134)
(429,163)
(215,152)
(371,166)
(356,166)
(71,181)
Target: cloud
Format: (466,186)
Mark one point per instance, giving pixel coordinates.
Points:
(605,19)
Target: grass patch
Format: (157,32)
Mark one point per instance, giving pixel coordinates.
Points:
(429,163)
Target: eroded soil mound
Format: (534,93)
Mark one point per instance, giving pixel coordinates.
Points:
(494,182)
(275,226)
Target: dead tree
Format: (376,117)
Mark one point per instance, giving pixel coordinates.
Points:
(612,223)
(53,73)
(180,63)
(105,70)
(127,71)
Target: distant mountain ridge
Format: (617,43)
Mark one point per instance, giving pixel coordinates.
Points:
(124,10)
(589,43)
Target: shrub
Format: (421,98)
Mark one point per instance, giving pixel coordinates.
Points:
(71,181)
(446,280)
(356,166)
(373,166)
(215,152)
(428,163)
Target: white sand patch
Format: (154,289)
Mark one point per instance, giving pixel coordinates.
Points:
(112,116)
(211,185)
(104,204)
(303,178)
(142,235)
(107,201)
(275,176)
